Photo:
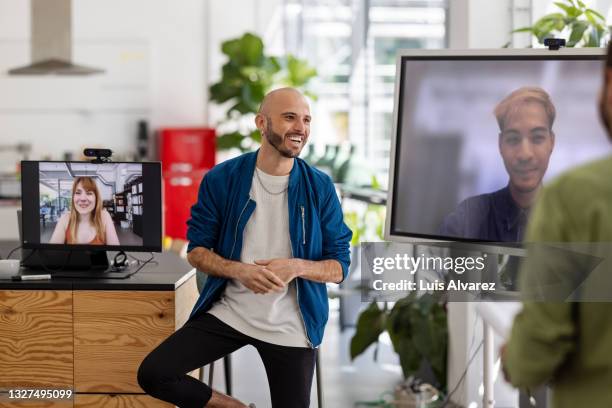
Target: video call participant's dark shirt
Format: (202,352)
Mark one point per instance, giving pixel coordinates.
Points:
(488,217)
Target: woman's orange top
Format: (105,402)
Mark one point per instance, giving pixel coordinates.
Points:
(95,241)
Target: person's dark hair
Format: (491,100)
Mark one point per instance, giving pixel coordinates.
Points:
(609,57)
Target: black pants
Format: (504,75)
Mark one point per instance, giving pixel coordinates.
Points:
(204,339)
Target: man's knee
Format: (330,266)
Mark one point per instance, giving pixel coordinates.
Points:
(150,374)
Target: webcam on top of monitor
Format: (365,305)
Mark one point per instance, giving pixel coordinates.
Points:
(99,155)
(554,44)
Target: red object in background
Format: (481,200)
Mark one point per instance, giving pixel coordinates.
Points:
(187,149)
(186,155)
(180,192)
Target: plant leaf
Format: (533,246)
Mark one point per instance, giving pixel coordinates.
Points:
(592,39)
(590,18)
(222,92)
(410,358)
(596,14)
(553,16)
(523,30)
(431,335)
(298,72)
(571,11)
(246,50)
(577,33)
(560,25)
(401,332)
(418,330)
(229,140)
(369,326)
(543,31)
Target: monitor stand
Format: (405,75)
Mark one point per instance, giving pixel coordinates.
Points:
(92,264)
(51,260)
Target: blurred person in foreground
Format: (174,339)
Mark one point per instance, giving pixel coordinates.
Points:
(568,344)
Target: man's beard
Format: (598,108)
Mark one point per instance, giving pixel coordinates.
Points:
(276,141)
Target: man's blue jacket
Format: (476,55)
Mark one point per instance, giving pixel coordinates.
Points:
(316,228)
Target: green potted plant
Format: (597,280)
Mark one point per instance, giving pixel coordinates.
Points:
(580,25)
(246,78)
(417,326)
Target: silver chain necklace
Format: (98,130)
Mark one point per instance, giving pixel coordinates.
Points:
(264,186)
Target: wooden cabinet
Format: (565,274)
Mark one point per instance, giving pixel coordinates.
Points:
(90,341)
(113,332)
(36,347)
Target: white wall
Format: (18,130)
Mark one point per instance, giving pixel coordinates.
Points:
(261,17)
(153,52)
(479,23)
(487,24)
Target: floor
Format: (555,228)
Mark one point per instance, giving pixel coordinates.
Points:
(344,383)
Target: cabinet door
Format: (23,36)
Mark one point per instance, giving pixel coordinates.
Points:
(113,332)
(118,401)
(36,349)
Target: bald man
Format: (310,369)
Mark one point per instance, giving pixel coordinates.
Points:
(268,232)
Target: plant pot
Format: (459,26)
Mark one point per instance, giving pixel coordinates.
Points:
(405,397)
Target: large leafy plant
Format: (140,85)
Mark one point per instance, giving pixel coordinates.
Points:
(579,25)
(246,78)
(417,326)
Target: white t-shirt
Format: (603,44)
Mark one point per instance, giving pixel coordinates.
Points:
(273,317)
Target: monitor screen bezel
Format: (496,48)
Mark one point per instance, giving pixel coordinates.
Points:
(392,234)
(83,247)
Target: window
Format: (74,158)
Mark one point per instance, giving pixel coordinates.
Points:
(353,45)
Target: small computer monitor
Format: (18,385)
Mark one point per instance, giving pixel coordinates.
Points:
(84,206)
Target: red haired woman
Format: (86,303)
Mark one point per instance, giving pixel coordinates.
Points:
(87,222)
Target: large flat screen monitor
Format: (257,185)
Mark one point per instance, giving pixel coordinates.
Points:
(91,206)
(477,133)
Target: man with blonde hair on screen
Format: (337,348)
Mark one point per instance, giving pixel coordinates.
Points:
(526,141)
